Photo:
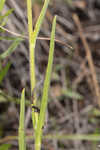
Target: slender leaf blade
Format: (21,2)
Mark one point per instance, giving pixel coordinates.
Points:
(2,2)
(72,94)
(6,14)
(22,144)
(4,71)
(45,89)
(11,49)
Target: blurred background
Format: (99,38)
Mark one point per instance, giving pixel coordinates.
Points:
(74,95)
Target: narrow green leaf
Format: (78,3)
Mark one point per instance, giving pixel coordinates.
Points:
(3,23)
(72,94)
(74,137)
(45,89)
(48,74)
(6,14)
(7,38)
(11,48)
(39,21)
(22,144)
(4,97)
(4,71)
(0,65)
(2,2)
(57,136)
(5,146)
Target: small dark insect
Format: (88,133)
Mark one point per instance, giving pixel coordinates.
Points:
(36,109)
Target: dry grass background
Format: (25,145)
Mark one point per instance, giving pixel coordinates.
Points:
(78,25)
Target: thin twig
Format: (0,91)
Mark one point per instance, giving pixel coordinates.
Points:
(38,38)
(89,57)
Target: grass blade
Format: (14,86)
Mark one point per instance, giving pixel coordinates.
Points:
(2,2)
(22,144)
(74,137)
(72,94)
(5,16)
(4,71)
(45,89)
(11,48)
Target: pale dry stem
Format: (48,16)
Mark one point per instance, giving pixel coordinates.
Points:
(88,56)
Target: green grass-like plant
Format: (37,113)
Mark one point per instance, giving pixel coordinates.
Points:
(38,119)
(2,2)
(22,143)
(33,36)
(12,47)
(45,89)
(32,43)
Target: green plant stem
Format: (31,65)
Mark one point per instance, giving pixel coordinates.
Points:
(32,42)
(32,58)
(31,45)
(33,36)
(73,137)
(22,144)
